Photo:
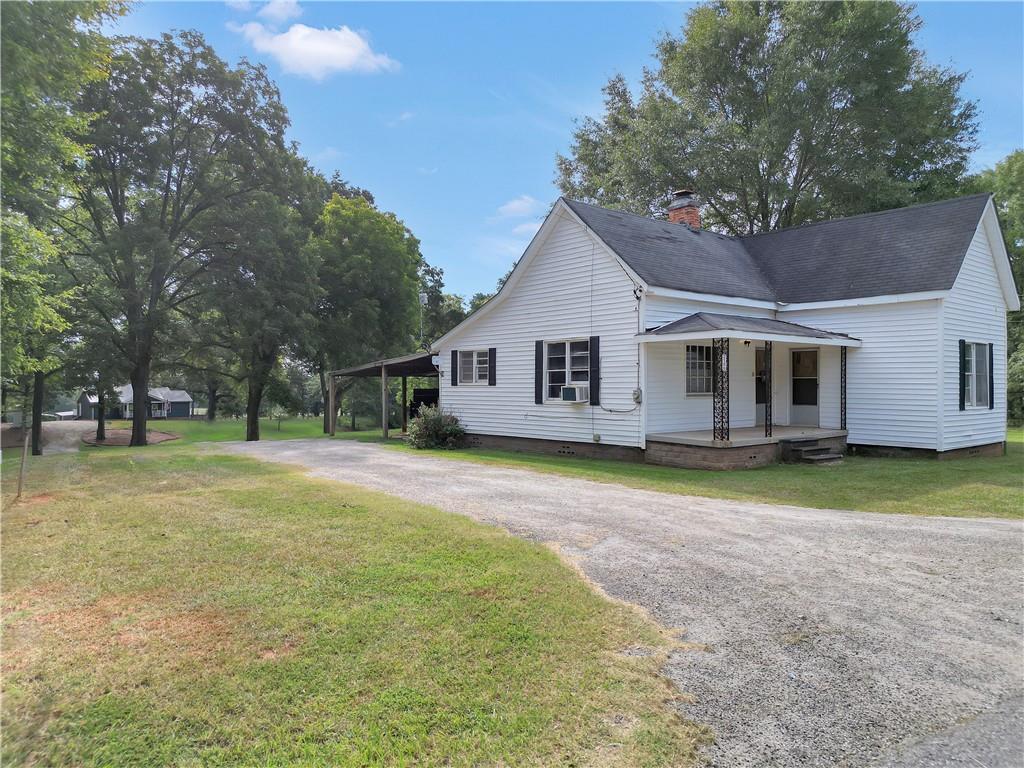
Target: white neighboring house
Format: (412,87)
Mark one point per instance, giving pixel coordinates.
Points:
(164,403)
(621,334)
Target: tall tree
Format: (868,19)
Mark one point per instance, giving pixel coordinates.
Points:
(49,52)
(780,113)
(368,273)
(440,311)
(183,136)
(1006,182)
(265,290)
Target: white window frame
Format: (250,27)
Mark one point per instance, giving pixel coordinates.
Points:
(972,377)
(479,357)
(569,369)
(710,374)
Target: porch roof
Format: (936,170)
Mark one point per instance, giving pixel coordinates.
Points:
(703,325)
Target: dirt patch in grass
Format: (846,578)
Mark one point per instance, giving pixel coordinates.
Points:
(39,498)
(287,648)
(50,616)
(123,437)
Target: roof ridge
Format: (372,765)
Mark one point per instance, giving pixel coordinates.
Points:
(868,214)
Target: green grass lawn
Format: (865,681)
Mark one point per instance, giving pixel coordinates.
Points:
(173,606)
(972,487)
(223,429)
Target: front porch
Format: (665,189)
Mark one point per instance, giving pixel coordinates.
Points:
(746,436)
(730,391)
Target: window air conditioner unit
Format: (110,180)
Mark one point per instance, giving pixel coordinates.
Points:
(576,393)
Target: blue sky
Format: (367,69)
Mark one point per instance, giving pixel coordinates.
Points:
(452,113)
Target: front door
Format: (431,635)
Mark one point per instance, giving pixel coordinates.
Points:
(804,407)
(760,385)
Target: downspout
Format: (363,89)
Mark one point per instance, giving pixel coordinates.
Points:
(641,356)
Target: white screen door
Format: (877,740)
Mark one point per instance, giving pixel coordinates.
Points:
(804,403)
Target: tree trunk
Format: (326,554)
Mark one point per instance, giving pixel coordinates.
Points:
(140,403)
(352,411)
(211,401)
(38,384)
(101,416)
(252,408)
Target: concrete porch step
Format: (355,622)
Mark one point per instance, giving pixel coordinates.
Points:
(811,452)
(821,458)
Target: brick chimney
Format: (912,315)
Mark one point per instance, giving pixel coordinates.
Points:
(684,209)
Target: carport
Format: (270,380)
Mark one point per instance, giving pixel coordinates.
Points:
(418,364)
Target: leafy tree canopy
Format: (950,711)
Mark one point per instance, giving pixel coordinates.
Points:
(49,51)
(1006,182)
(780,113)
(183,135)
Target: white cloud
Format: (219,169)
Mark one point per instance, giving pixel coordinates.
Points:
(316,52)
(499,251)
(405,116)
(239,5)
(424,171)
(281,10)
(524,205)
(527,228)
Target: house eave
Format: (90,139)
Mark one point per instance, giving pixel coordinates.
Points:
(649,338)
(864,301)
(712,298)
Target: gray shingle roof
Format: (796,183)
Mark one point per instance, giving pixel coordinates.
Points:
(905,250)
(712,321)
(675,256)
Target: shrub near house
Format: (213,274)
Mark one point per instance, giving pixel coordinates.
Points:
(433,428)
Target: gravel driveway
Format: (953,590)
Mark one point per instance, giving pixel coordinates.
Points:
(833,638)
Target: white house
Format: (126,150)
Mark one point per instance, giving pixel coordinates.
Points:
(624,335)
(164,403)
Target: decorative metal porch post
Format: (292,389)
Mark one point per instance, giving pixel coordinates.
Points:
(720,388)
(767,389)
(842,387)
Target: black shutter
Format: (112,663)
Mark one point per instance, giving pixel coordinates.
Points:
(991,378)
(538,373)
(595,370)
(963,370)
(492,367)
(455,367)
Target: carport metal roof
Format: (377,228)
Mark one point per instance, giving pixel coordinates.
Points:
(415,364)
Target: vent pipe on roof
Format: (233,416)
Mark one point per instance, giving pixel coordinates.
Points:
(684,209)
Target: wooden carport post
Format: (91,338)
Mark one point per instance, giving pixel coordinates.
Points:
(405,406)
(384,401)
(332,404)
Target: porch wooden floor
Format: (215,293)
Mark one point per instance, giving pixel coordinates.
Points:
(742,436)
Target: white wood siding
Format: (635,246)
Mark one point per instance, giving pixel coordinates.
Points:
(670,409)
(975,310)
(829,385)
(571,289)
(892,386)
(659,310)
